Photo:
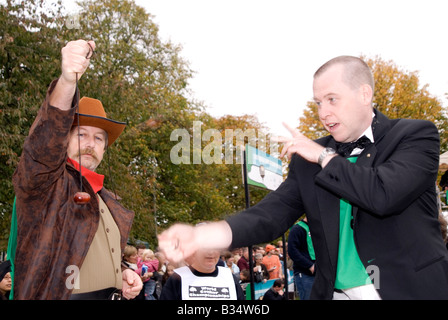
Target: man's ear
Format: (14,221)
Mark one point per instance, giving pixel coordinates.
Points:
(366,94)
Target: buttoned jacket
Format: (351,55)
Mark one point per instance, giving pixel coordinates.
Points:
(392,190)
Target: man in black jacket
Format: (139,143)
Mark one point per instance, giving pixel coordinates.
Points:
(301,252)
(275,292)
(372,210)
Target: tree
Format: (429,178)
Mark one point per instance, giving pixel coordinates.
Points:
(140,80)
(237,131)
(134,74)
(398,94)
(28,51)
(143,82)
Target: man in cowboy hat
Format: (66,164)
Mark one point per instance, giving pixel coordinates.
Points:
(75,248)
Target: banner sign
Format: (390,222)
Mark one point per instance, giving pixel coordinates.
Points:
(263,170)
(262,287)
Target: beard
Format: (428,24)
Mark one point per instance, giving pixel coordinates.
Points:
(92,162)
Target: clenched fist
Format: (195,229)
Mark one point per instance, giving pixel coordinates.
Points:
(75,59)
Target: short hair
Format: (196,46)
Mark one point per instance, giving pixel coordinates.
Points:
(258,256)
(226,254)
(147,253)
(129,250)
(278,283)
(356,71)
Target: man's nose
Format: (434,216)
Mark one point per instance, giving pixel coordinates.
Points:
(89,142)
(324,111)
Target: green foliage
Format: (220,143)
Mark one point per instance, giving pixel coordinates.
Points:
(28,62)
(141,81)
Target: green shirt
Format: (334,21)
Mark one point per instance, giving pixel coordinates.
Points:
(350,270)
(12,244)
(309,241)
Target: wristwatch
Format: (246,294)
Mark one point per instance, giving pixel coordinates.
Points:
(326,152)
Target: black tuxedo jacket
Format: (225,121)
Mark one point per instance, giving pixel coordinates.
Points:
(392,188)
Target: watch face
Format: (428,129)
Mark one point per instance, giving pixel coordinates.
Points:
(324,154)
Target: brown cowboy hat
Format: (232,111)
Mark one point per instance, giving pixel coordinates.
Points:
(91,113)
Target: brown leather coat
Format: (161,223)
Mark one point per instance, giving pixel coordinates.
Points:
(54,233)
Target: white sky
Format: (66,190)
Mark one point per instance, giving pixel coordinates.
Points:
(258,56)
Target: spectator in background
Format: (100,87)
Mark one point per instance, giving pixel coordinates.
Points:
(259,249)
(261,273)
(130,257)
(229,260)
(162,262)
(5,280)
(168,273)
(243,262)
(245,276)
(276,291)
(237,253)
(301,251)
(272,262)
(140,249)
(444,181)
(202,280)
(158,276)
(149,261)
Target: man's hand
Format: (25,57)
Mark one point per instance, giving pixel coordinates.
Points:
(303,146)
(75,61)
(132,284)
(298,143)
(181,241)
(312,269)
(178,242)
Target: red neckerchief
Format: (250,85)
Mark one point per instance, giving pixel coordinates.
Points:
(96,180)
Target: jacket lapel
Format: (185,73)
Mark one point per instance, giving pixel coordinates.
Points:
(329,214)
(328,205)
(365,159)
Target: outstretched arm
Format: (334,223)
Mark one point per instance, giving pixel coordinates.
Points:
(75,61)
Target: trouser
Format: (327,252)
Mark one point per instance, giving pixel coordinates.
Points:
(304,283)
(104,294)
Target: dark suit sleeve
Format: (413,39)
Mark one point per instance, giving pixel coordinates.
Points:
(408,167)
(271,217)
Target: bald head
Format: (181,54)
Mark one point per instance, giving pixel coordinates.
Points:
(356,71)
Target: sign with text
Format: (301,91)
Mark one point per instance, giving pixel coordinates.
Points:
(263,170)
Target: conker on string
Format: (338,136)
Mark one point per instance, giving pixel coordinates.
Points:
(81,197)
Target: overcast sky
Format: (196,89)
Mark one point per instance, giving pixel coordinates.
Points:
(258,56)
